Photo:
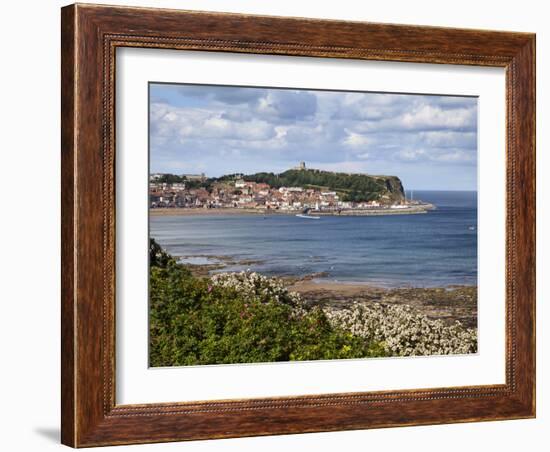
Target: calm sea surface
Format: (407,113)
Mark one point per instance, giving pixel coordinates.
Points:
(434,249)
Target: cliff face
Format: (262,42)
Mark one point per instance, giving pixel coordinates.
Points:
(351,187)
(394,187)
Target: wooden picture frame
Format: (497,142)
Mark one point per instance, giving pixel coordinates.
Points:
(90,36)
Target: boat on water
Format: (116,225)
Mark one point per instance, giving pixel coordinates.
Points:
(305,214)
(310,217)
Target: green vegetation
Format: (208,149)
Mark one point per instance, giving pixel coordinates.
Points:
(352,187)
(189,183)
(242,318)
(170,179)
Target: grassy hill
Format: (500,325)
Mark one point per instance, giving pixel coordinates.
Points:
(351,187)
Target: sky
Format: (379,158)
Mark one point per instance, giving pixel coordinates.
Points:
(428,141)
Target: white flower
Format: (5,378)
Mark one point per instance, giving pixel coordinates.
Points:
(403,331)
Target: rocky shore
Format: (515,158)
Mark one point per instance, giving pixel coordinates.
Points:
(403,322)
(448,304)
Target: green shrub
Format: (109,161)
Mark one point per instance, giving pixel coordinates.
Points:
(195,321)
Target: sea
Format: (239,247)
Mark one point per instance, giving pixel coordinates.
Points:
(436,249)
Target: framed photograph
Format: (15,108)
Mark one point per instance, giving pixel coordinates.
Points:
(281,225)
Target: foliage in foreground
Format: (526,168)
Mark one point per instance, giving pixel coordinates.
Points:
(240,318)
(247,317)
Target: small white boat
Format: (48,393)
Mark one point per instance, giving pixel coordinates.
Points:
(311,217)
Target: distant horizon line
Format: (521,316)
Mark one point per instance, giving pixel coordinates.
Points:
(439,189)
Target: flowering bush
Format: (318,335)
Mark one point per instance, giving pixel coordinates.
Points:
(253,285)
(399,328)
(238,318)
(402,331)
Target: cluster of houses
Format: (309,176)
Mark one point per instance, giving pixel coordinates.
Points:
(247,195)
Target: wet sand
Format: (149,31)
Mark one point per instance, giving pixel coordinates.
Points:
(445,303)
(177,211)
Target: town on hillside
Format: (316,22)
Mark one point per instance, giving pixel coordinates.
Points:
(197,191)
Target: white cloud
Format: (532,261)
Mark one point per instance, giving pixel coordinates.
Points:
(185,123)
(288,105)
(449,138)
(430,117)
(454,156)
(223,128)
(411,154)
(354,139)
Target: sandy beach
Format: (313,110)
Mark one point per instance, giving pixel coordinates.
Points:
(176,211)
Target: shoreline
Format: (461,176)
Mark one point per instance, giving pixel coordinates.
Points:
(448,304)
(217,263)
(199,211)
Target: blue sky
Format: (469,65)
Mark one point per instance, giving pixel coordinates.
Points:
(430,142)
